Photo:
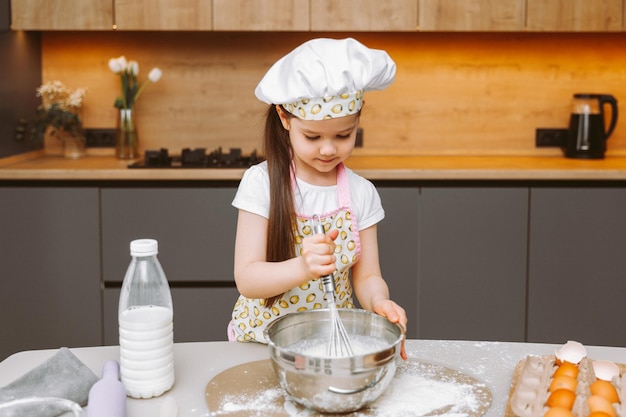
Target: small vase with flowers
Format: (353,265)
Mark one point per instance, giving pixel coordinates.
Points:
(126,141)
(58,120)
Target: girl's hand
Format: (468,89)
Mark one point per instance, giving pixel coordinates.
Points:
(318,254)
(395,314)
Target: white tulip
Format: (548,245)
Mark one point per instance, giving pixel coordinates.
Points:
(122,61)
(155,75)
(116,65)
(133,67)
(128,70)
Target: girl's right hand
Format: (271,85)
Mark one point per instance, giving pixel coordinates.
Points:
(318,258)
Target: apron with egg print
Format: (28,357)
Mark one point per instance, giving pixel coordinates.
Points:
(251,317)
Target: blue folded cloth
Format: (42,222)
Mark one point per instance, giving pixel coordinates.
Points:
(62,376)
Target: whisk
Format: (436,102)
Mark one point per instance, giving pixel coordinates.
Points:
(339,344)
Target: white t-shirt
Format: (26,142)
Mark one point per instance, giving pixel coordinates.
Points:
(253,195)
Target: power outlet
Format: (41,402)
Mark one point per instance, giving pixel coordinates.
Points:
(21,130)
(100,138)
(550,137)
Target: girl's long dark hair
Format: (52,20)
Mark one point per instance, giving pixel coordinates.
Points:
(282,217)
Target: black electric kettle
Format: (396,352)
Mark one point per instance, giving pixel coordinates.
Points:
(587,136)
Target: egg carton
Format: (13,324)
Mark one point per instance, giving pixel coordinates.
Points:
(532,378)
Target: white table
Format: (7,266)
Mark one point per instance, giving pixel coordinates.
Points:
(196,363)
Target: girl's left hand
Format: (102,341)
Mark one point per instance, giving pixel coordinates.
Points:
(395,314)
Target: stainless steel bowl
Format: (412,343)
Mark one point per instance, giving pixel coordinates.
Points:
(327,384)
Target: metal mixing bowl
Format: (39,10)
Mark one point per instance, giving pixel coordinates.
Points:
(333,384)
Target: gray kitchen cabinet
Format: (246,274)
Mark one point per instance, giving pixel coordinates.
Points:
(397,243)
(49,268)
(200,314)
(478,262)
(472,263)
(195,227)
(577,265)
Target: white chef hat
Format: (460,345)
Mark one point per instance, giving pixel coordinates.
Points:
(326,78)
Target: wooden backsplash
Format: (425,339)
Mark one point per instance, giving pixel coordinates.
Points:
(455,93)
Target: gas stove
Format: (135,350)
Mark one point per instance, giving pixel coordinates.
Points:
(197,158)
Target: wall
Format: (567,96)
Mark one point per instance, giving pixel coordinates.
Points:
(455,93)
(20,74)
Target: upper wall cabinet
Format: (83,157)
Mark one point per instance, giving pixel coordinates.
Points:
(261,15)
(322,15)
(61,14)
(471,15)
(163,15)
(364,15)
(575,15)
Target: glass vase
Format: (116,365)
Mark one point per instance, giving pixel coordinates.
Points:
(126,140)
(74,144)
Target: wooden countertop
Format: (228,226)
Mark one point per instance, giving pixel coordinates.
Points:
(37,166)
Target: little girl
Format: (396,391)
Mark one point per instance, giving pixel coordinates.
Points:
(315,95)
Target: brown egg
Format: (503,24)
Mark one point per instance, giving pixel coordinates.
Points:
(558,412)
(598,414)
(566,368)
(563,381)
(561,398)
(601,404)
(604,389)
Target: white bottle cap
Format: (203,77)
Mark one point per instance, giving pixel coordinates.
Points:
(144,247)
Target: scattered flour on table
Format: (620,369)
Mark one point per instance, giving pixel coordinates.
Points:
(410,396)
(420,389)
(417,396)
(416,390)
(263,403)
